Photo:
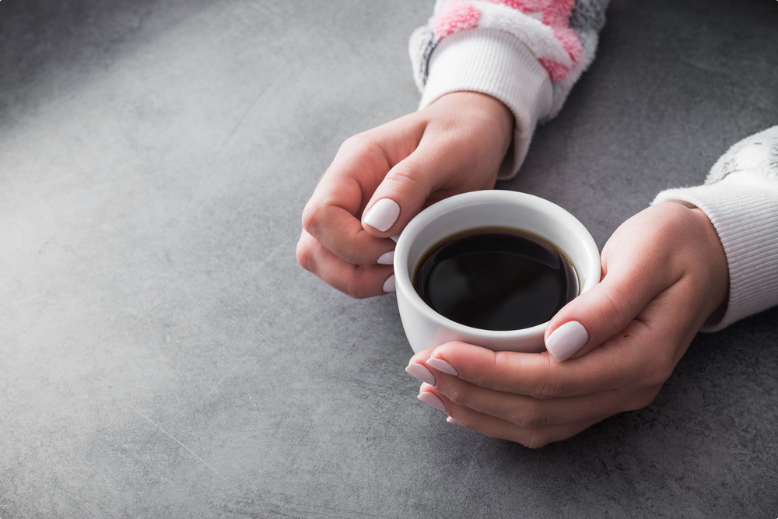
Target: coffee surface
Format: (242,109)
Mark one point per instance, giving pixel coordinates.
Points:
(496,279)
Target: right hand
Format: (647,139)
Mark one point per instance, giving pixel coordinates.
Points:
(664,273)
(453,146)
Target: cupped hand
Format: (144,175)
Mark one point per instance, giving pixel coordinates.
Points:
(382,178)
(610,350)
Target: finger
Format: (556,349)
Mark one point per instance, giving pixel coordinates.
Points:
(641,356)
(596,315)
(639,261)
(599,314)
(418,369)
(358,281)
(433,168)
(332,214)
(615,364)
(526,411)
(341,233)
(532,437)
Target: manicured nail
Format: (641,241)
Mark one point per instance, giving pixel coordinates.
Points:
(451,420)
(389,284)
(430,399)
(442,365)
(387,258)
(566,340)
(421,373)
(383,214)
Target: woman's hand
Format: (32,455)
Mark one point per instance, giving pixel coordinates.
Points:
(664,274)
(382,178)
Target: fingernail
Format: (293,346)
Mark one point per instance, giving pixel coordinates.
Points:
(442,365)
(566,340)
(389,284)
(383,214)
(451,420)
(387,258)
(430,399)
(421,373)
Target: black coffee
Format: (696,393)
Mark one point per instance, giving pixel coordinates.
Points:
(496,279)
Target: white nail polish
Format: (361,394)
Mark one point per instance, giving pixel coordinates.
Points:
(389,284)
(387,258)
(430,399)
(382,215)
(442,365)
(566,340)
(419,372)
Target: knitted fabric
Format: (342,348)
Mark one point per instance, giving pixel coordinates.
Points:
(561,34)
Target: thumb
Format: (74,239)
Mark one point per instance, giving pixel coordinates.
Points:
(399,197)
(407,187)
(597,315)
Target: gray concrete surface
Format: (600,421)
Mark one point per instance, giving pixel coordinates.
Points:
(162,354)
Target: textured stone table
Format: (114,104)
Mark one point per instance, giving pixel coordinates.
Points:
(163,355)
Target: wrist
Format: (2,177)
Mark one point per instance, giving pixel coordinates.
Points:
(712,255)
(495,111)
(742,208)
(484,112)
(495,63)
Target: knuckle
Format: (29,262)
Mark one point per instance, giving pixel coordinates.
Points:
(355,142)
(304,254)
(530,416)
(407,175)
(641,400)
(408,178)
(658,368)
(355,287)
(615,308)
(348,255)
(312,217)
(362,145)
(657,373)
(352,289)
(352,254)
(550,385)
(536,440)
(458,396)
(466,422)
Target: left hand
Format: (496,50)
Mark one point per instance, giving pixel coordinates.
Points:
(664,273)
(385,176)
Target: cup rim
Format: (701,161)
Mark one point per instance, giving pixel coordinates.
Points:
(439,209)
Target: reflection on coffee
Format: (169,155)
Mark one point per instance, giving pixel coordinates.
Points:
(495,279)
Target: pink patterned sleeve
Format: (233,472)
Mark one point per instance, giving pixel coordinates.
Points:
(527,53)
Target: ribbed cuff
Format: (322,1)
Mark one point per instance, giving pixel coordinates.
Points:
(493,62)
(746,218)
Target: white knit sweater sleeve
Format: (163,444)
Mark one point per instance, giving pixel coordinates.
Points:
(740,196)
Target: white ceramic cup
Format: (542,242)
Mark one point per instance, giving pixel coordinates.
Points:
(426,328)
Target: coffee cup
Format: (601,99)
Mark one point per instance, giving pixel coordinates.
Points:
(426,328)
